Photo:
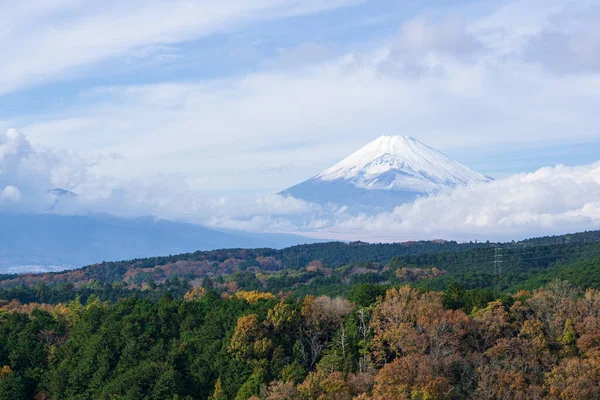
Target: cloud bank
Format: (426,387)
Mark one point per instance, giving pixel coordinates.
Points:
(35,179)
(27,173)
(550,200)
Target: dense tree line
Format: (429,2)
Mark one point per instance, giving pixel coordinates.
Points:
(518,268)
(205,263)
(399,343)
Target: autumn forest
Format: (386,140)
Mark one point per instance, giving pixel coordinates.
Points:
(422,320)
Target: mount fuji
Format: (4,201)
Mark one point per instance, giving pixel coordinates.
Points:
(389,171)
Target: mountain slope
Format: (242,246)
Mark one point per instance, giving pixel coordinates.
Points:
(388,171)
(41,242)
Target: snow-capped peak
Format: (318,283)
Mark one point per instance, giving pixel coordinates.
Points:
(401,163)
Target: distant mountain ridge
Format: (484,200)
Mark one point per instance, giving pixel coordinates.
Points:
(388,171)
(523,263)
(48,242)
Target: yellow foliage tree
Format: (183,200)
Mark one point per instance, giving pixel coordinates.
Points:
(218,393)
(5,371)
(248,339)
(196,293)
(254,296)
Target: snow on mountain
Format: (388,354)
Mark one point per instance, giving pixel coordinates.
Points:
(400,165)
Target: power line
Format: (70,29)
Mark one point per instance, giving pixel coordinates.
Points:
(498,261)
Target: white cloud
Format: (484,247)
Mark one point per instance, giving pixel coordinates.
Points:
(13,147)
(551,200)
(10,193)
(450,36)
(423,46)
(27,172)
(568,43)
(301,55)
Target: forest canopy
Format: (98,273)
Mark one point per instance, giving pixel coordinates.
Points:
(483,321)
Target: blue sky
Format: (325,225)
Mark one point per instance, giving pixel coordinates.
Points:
(225,98)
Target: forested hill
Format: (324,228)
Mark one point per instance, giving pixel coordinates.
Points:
(586,237)
(425,320)
(327,268)
(227,261)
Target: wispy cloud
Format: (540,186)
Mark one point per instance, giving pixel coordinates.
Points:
(569,43)
(43,41)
